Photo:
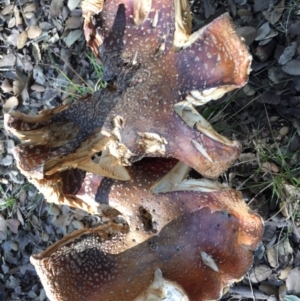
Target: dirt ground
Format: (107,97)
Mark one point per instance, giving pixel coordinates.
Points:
(44,62)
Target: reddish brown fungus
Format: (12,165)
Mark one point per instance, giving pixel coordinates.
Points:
(200,241)
(165,238)
(157,71)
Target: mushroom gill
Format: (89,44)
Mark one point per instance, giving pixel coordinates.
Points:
(179,245)
(157,71)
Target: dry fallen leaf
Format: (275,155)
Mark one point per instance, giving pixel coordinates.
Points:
(30,7)
(19,20)
(17,87)
(72,37)
(288,53)
(20,217)
(6,86)
(3,228)
(293,281)
(10,104)
(72,4)
(73,22)
(7,60)
(7,10)
(11,23)
(269,167)
(56,7)
(259,273)
(34,32)
(37,88)
(292,67)
(263,31)
(36,52)
(13,225)
(275,13)
(22,39)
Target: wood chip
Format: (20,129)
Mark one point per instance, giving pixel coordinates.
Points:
(22,39)
(34,32)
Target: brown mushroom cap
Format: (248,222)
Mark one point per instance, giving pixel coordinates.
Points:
(158,71)
(201,241)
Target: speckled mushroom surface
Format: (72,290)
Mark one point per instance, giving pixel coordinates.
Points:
(198,241)
(158,72)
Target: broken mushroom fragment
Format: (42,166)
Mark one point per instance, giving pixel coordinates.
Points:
(189,245)
(157,70)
